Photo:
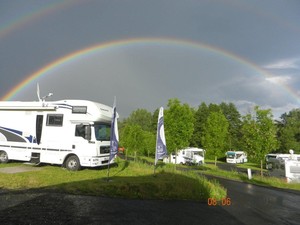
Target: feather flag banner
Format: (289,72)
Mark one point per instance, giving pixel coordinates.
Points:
(114,134)
(161,148)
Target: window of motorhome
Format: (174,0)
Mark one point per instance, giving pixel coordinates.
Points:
(80,130)
(102,132)
(231,155)
(198,153)
(238,155)
(55,120)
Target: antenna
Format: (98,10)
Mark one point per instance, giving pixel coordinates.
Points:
(38,92)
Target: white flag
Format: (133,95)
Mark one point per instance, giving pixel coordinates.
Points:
(114,134)
(161,148)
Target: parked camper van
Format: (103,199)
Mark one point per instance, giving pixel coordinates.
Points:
(275,160)
(284,165)
(187,156)
(72,133)
(236,157)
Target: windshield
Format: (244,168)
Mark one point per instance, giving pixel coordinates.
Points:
(230,155)
(102,132)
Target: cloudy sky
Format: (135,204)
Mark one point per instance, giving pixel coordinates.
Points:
(146,52)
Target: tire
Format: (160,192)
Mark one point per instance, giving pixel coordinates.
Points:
(3,157)
(73,163)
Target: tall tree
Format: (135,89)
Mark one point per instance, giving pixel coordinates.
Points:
(179,125)
(234,119)
(131,137)
(259,134)
(200,117)
(215,135)
(289,132)
(140,117)
(148,144)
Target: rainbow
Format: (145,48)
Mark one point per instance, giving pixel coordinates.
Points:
(35,14)
(69,58)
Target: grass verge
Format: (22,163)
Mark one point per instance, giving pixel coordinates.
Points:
(211,169)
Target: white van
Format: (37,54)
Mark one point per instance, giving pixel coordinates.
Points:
(236,157)
(187,156)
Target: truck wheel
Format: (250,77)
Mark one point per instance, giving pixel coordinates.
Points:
(73,163)
(3,157)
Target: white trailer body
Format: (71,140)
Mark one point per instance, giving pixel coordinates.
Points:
(292,171)
(73,133)
(284,165)
(186,156)
(236,157)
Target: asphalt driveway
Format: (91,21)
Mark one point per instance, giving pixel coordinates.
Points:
(34,207)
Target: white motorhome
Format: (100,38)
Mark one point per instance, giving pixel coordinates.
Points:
(72,133)
(275,160)
(284,165)
(236,157)
(187,156)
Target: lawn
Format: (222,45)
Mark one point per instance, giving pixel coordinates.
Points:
(127,179)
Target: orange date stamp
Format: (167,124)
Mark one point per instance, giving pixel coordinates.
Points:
(222,202)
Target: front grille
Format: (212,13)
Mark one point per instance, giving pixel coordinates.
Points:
(104,149)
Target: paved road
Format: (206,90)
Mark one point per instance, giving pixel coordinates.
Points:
(56,208)
(253,204)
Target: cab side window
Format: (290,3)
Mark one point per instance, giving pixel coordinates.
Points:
(80,131)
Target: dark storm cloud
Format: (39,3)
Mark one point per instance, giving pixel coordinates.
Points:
(264,32)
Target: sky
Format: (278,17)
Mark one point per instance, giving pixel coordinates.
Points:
(147,52)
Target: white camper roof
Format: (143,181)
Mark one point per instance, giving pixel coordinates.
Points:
(193,149)
(95,111)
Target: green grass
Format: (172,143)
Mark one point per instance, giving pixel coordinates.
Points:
(211,169)
(252,166)
(128,180)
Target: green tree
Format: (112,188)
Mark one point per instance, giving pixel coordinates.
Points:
(179,125)
(149,143)
(289,132)
(259,134)
(132,138)
(200,117)
(140,117)
(234,119)
(215,135)
(154,121)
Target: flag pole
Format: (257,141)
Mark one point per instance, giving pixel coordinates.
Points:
(155,160)
(114,137)
(107,178)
